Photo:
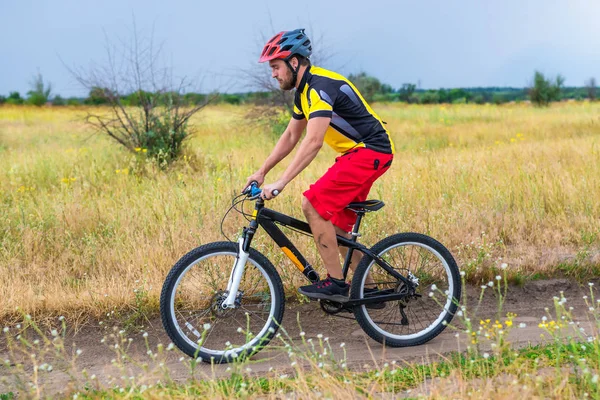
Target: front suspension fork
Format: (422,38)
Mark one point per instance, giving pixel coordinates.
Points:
(237,271)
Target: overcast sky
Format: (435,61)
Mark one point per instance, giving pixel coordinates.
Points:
(439,43)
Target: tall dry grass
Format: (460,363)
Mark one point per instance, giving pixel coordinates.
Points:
(88,228)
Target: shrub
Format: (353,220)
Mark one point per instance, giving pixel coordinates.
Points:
(543,91)
(148,113)
(430,97)
(39,93)
(367,85)
(96,96)
(74,101)
(479,99)
(58,101)
(14,98)
(590,86)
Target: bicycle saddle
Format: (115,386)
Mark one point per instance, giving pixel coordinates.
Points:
(369,205)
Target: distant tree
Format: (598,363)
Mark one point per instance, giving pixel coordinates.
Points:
(14,98)
(58,101)
(406,91)
(367,85)
(458,96)
(478,99)
(40,92)
(430,97)
(192,99)
(2,99)
(498,98)
(96,96)
(443,96)
(543,91)
(74,101)
(590,85)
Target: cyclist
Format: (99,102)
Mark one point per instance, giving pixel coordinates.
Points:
(333,111)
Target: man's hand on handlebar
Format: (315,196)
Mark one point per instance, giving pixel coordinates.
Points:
(257,177)
(271,190)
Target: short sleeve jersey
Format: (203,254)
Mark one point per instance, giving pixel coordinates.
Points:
(354,124)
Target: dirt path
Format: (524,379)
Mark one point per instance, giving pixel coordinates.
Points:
(528,302)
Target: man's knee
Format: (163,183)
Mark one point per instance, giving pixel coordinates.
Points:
(307,208)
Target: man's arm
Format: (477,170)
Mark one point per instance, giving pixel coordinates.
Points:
(310,146)
(285,144)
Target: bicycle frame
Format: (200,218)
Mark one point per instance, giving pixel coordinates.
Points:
(268,220)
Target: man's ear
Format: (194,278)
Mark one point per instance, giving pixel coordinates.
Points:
(294,63)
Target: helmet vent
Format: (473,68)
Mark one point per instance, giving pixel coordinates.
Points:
(281,40)
(271,51)
(299,37)
(306,43)
(286,47)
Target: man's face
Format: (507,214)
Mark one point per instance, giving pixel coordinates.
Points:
(282,73)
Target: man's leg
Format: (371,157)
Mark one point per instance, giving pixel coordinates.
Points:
(356,255)
(324,236)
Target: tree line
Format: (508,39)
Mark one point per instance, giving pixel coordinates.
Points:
(542,91)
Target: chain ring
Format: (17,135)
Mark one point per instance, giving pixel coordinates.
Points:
(332,307)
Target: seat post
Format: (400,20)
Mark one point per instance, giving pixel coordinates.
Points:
(354,238)
(359,217)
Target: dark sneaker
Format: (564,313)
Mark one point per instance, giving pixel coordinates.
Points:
(373,292)
(328,289)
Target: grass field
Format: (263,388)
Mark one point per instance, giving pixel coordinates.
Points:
(87,228)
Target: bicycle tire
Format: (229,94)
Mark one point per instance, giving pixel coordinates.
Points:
(376,325)
(177,323)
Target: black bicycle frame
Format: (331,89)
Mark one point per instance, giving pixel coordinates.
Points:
(268,220)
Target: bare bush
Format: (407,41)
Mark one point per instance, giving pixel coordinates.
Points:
(147,109)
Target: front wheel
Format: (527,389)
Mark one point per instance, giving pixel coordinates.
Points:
(418,317)
(193,293)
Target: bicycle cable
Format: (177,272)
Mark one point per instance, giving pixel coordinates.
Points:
(233,204)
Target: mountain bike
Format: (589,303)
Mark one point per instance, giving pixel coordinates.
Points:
(224,301)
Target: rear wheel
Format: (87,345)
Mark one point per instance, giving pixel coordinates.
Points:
(419,317)
(194,291)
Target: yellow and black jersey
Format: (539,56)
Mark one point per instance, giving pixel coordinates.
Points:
(323,93)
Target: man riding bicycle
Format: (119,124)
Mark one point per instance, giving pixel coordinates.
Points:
(333,111)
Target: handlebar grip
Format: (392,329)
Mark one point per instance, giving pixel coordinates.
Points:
(248,188)
(275,192)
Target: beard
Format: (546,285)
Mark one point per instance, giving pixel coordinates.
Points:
(286,84)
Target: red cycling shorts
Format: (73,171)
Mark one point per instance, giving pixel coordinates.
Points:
(348,180)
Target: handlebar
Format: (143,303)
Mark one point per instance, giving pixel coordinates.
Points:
(253,191)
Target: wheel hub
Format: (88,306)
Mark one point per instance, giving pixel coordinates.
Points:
(219,308)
